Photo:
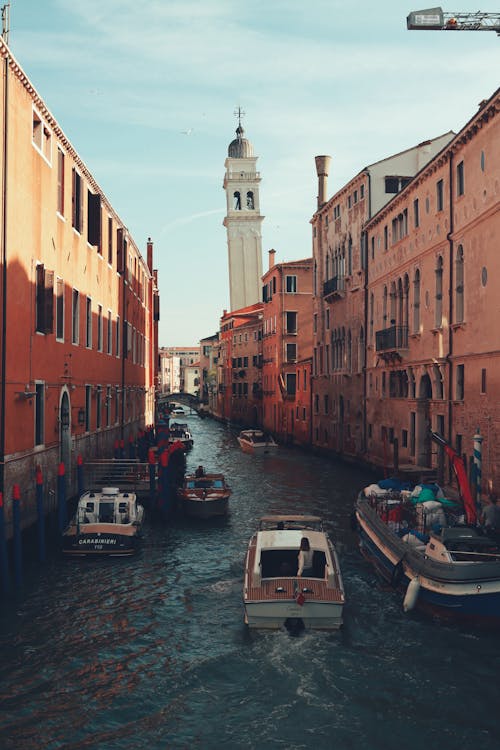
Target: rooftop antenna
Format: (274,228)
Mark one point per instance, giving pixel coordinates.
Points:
(5,22)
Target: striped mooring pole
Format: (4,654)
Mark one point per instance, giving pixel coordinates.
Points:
(478,439)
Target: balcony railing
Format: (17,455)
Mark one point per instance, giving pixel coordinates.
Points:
(334,286)
(391,339)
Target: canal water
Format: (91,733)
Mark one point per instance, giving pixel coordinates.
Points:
(152,653)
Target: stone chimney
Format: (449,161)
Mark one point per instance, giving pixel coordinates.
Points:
(322,168)
(272,253)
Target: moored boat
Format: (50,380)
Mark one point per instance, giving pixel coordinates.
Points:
(204,496)
(179,432)
(431,549)
(256,441)
(274,595)
(105,523)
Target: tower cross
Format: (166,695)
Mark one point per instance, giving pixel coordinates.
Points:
(239,114)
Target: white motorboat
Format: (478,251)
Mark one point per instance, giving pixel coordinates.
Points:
(105,523)
(179,432)
(256,441)
(274,595)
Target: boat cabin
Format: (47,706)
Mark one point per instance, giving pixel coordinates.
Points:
(108,506)
(461,544)
(204,483)
(278,544)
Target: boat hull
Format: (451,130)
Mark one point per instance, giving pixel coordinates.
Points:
(454,592)
(99,544)
(273,615)
(205,508)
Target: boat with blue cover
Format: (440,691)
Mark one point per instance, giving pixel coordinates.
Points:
(431,549)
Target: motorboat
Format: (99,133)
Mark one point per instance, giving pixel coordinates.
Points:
(431,549)
(178,411)
(180,432)
(204,495)
(256,441)
(105,523)
(274,596)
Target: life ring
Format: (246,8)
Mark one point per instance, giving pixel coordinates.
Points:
(397,574)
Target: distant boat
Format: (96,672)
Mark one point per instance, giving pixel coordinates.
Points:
(204,496)
(105,523)
(274,595)
(178,411)
(256,441)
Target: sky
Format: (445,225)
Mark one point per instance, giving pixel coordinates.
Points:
(146,91)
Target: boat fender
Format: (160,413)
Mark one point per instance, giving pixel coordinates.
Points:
(354,521)
(397,574)
(411,595)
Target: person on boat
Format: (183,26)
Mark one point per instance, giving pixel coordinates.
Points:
(305,558)
(490,517)
(200,471)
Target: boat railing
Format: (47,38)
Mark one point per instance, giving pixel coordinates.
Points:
(400,514)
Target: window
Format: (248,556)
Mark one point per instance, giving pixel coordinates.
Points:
(88,404)
(121,250)
(439,195)
(99,328)
(117,338)
(395,184)
(438,318)
(109,347)
(416,214)
(110,240)
(77,202)
(291,352)
(460,179)
(108,405)
(291,322)
(60,182)
(237,201)
(386,237)
(416,302)
(94,220)
(39,414)
(483,380)
(42,137)
(60,309)
(88,323)
(291,283)
(459,393)
(459,285)
(250,202)
(98,406)
(291,380)
(44,322)
(75,317)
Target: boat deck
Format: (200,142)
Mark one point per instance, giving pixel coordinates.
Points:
(317,587)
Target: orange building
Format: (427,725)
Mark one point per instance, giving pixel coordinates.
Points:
(79,304)
(339,288)
(433,357)
(287,338)
(239,362)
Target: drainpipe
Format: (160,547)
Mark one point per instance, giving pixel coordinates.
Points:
(4,273)
(450,303)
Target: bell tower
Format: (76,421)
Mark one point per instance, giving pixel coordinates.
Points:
(243,221)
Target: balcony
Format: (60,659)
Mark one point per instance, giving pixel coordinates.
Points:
(390,341)
(334,288)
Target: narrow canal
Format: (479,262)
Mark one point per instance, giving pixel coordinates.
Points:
(152,653)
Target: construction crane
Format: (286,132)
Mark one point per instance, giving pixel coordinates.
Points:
(435,19)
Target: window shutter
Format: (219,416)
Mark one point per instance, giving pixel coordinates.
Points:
(48,326)
(94,219)
(40,298)
(120,255)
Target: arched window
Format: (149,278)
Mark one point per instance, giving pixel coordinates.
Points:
(459,285)
(250,203)
(416,302)
(384,308)
(438,318)
(349,352)
(237,201)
